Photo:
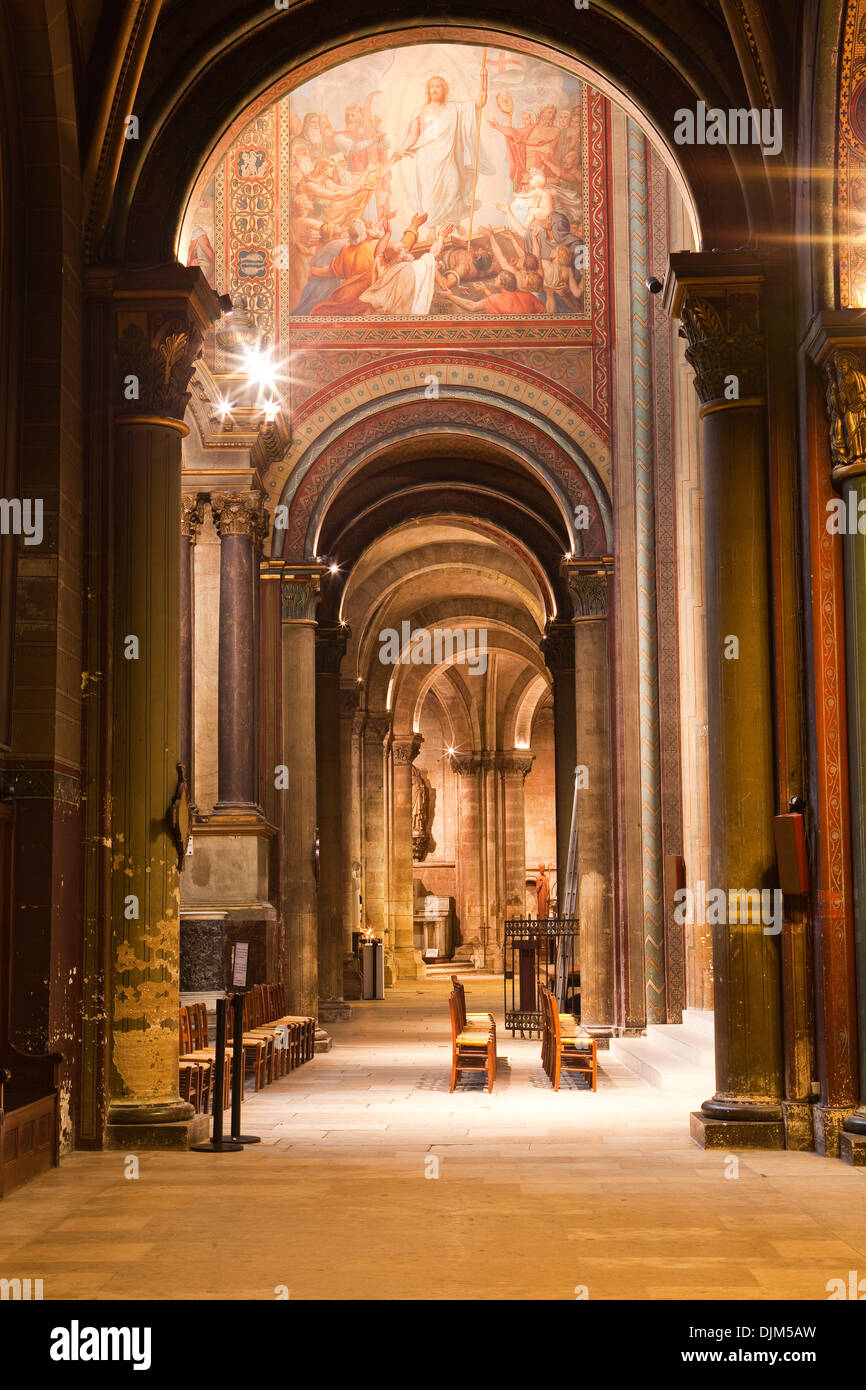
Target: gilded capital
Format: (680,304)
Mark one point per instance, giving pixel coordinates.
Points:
(722,326)
(191,516)
(299,595)
(239,514)
(846,412)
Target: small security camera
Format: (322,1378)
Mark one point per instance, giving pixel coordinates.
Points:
(654,285)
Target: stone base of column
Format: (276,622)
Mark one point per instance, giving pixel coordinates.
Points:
(829,1123)
(409,963)
(724,1123)
(323,1043)
(801,1123)
(603,1032)
(852,1149)
(334,1011)
(176,1135)
(352,983)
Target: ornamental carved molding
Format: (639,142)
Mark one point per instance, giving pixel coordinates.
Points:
(725,339)
(191,516)
(299,595)
(465,765)
(510,762)
(377,728)
(405,750)
(846,411)
(156,355)
(240,514)
(589,593)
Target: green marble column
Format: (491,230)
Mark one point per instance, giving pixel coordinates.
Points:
(717,297)
(159,317)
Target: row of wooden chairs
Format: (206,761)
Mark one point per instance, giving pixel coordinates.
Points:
(273,1043)
(565,1045)
(473,1038)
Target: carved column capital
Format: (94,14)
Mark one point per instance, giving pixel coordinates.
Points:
(557,646)
(513,762)
(377,728)
(330,649)
(240,514)
(350,698)
(405,749)
(191,516)
(160,317)
(717,298)
(465,764)
(589,594)
(299,595)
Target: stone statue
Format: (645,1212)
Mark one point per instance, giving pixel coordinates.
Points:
(542,890)
(421,844)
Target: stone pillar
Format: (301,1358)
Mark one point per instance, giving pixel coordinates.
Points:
(160,316)
(239,518)
(351,872)
(718,298)
(404,750)
(512,768)
(589,588)
(557,646)
(299,592)
(375,731)
(470,891)
(191,518)
(330,650)
(838,344)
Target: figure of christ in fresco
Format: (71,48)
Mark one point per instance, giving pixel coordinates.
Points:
(442,138)
(401,284)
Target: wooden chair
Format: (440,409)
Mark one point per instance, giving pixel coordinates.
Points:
(196,1072)
(471,1050)
(566,1046)
(481,1020)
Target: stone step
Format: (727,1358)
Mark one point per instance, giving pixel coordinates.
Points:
(654,1060)
(686,1042)
(700,1020)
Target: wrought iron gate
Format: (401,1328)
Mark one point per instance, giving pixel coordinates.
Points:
(540,951)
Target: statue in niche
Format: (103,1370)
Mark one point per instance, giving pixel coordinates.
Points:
(422,818)
(542,890)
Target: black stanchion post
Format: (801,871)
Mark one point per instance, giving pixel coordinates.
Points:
(238,1073)
(217,1144)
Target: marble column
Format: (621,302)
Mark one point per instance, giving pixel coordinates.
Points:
(299,593)
(837,344)
(470,905)
(717,296)
(330,650)
(404,751)
(239,518)
(160,316)
(589,588)
(191,518)
(557,647)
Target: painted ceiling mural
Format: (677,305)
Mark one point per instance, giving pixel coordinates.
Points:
(354,195)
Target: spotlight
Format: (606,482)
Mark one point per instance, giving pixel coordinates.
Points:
(653,284)
(334,567)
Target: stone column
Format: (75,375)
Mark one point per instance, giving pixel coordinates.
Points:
(717,296)
(838,344)
(557,647)
(299,593)
(239,518)
(470,890)
(160,316)
(375,731)
(404,751)
(351,728)
(191,518)
(589,588)
(512,768)
(330,650)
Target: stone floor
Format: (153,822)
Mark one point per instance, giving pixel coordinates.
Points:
(532,1195)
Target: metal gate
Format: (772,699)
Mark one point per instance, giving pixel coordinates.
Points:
(540,951)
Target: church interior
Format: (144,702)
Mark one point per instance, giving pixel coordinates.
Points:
(432,677)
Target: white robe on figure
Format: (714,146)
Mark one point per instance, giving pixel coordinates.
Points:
(444,160)
(406,287)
